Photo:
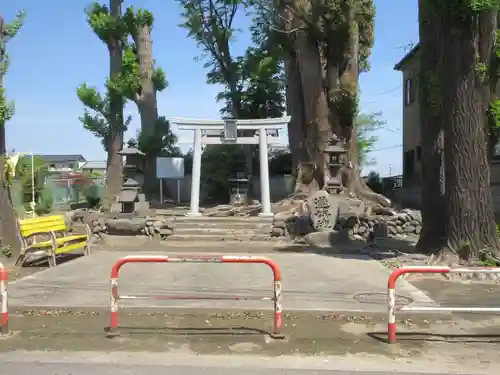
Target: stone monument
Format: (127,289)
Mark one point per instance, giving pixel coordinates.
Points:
(131,202)
(323,211)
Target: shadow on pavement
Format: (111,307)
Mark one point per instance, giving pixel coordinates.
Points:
(193,331)
(437,337)
(334,245)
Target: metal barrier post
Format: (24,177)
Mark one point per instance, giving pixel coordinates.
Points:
(4,318)
(391,294)
(277,284)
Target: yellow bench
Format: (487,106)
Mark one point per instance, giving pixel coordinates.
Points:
(57,240)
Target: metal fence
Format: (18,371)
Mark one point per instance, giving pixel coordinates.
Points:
(73,191)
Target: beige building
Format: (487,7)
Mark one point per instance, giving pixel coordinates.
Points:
(412,151)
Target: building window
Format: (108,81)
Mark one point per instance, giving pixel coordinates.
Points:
(419,153)
(410,91)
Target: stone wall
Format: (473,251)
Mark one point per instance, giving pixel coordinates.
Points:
(280,186)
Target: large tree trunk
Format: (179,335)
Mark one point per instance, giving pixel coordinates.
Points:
(317,130)
(431,129)
(114,169)
(8,223)
(470,224)
(146,100)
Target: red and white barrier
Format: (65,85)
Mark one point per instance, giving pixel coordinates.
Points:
(277,285)
(391,294)
(4,313)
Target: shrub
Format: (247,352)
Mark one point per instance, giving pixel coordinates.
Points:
(44,204)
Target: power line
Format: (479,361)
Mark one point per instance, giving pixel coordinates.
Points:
(386,148)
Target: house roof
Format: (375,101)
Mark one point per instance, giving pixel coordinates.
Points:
(94,165)
(61,158)
(407,57)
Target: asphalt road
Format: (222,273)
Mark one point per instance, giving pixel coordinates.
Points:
(111,369)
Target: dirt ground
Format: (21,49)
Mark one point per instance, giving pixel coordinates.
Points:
(476,340)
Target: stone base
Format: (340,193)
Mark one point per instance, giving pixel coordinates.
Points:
(194,214)
(265,214)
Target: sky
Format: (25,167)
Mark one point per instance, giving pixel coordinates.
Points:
(56,51)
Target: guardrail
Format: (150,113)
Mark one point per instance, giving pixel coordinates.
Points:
(277,286)
(391,294)
(4,314)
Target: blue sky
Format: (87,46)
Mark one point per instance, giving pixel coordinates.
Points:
(56,51)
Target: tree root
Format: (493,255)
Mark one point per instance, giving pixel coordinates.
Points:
(356,186)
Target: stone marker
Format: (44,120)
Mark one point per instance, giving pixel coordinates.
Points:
(323,210)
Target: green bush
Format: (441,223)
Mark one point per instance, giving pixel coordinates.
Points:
(44,204)
(92,196)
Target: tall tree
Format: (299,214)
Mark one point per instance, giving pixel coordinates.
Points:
(108,25)
(140,82)
(431,128)
(97,116)
(327,45)
(8,225)
(467,44)
(211,24)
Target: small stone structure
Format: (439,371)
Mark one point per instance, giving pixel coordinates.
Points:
(131,202)
(335,161)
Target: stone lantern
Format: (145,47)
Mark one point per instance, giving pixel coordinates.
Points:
(131,201)
(336,154)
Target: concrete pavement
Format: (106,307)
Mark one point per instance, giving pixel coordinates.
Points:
(311,282)
(90,363)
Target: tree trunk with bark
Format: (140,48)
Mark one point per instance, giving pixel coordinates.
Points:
(9,231)
(470,224)
(114,168)
(146,99)
(431,129)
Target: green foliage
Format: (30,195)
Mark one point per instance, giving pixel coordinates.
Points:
(280,163)
(45,201)
(109,29)
(374,182)
(10,30)
(366,124)
(161,142)
(136,20)
(220,162)
(129,82)
(98,115)
(24,176)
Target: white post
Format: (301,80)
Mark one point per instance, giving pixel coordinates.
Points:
(178,191)
(161,190)
(196,175)
(264,175)
(33,202)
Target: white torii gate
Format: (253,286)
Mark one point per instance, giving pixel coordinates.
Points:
(226,132)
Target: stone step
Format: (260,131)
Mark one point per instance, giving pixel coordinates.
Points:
(224,219)
(222,231)
(232,225)
(220,238)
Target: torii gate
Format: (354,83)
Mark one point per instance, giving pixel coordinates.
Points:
(226,132)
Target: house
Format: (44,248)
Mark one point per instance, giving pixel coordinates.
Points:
(412,150)
(98,167)
(63,163)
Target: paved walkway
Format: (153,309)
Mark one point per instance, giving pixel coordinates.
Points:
(311,282)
